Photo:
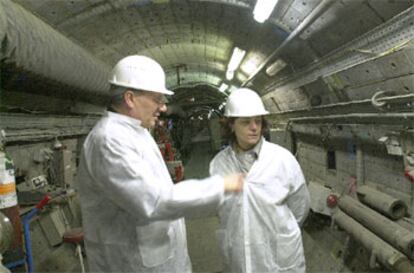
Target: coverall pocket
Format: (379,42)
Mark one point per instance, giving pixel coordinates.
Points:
(154,243)
(288,251)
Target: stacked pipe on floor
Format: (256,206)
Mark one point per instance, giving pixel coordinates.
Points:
(390,243)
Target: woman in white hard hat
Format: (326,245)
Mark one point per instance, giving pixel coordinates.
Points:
(132,213)
(259,228)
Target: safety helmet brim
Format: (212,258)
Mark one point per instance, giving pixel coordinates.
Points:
(246,115)
(162,91)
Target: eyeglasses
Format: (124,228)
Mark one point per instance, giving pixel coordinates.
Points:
(160,100)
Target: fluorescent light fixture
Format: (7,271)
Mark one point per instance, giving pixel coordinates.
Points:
(263,9)
(223,87)
(236,58)
(275,67)
(229,75)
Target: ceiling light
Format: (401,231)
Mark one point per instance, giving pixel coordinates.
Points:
(263,9)
(275,67)
(223,87)
(229,75)
(236,58)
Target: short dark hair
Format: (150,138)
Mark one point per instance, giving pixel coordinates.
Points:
(117,95)
(229,135)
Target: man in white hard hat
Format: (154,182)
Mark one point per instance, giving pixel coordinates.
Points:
(259,229)
(132,213)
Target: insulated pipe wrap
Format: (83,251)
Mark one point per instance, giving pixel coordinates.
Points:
(3,21)
(30,46)
(388,230)
(388,205)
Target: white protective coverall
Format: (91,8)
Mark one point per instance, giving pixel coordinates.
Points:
(259,230)
(130,208)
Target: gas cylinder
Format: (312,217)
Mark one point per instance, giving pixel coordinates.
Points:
(6,236)
(8,204)
(8,197)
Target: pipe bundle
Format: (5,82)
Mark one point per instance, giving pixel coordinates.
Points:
(389,242)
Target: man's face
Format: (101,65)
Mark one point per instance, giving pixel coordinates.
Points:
(248,131)
(147,107)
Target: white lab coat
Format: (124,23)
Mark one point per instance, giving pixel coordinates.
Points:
(259,230)
(132,213)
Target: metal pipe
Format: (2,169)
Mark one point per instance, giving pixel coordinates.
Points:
(356,118)
(388,205)
(320,9)
(407,223)
(27,241)
(384,253)
(344,105)
(33,52)
(360,132)
(25,127)
(386,229)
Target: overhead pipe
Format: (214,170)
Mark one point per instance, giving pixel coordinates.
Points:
(386,229)
(360,118)
(383,252)
(350,106)
(392,207)
(344,132)
(31,49)
(26,127)
(319,10)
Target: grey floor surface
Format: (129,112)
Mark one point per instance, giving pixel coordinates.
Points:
(202,243)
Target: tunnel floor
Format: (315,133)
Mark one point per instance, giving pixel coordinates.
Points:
(202,244)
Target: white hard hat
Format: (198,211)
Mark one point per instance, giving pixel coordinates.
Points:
(141,73)
(244,102)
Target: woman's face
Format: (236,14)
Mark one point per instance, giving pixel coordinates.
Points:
(248,131)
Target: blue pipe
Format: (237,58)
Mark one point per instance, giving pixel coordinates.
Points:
(27,242)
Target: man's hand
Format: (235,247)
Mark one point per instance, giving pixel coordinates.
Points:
(233,183)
